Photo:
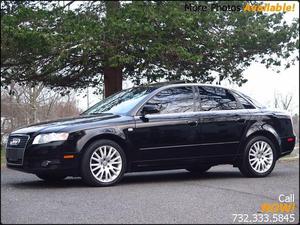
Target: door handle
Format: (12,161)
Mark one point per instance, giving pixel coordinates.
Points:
(192,123)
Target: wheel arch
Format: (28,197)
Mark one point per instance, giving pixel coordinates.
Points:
(111,137)
(268,133)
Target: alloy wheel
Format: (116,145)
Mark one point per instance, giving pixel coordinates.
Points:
(261,156)
(106,163)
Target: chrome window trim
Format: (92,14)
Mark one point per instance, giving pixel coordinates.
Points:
(233,111)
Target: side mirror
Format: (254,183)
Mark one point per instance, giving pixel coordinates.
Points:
(150,109)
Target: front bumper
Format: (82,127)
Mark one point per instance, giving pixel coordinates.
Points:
(45,158)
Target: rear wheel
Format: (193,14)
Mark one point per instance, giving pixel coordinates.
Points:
(103,164)
(51,177)
(259,157)
(199,169)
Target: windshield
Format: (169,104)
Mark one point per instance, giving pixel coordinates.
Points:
(121,102)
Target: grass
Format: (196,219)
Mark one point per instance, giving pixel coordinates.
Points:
(2,156)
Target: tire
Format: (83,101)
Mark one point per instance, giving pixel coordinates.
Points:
(51,177)
(259,157)
(103,163)
(198,169)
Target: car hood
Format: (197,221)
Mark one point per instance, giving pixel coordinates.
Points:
(70,124)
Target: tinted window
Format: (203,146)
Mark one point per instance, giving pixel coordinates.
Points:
(174,100)
(246,104)
(252,101)
(214,98)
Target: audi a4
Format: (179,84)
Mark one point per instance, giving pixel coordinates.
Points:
(155,127)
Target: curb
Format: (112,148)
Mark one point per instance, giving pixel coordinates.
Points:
(290,158)
(2,165)
(293,156)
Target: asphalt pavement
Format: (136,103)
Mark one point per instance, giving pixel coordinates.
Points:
(149,197)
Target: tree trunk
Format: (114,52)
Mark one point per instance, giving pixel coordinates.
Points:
(112,80)
(112,75)
(33,105)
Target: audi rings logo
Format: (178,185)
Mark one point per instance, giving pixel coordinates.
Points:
(15,141)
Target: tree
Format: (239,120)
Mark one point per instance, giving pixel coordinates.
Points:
(295,121)
(140,41)
(283,101)
(23,105)
(112,73)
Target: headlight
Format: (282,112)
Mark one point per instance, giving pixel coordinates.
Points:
(46,138)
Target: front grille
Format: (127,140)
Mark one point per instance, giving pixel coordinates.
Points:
(17,141)
(15,148)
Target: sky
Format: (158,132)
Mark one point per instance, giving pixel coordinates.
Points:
(262,83)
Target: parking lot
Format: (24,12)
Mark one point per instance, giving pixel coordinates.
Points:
(150,197)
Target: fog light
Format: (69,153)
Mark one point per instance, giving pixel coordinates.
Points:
(48,163)
(45,163)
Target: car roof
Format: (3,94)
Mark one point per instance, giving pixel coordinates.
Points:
(164,85)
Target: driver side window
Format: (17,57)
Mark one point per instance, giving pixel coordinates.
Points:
(174,100)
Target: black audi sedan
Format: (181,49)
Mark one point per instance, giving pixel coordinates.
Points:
(155,127)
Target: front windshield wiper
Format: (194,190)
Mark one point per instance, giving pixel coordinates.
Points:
(94,113)
(101,113)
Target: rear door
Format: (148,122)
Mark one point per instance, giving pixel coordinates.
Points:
(222,121)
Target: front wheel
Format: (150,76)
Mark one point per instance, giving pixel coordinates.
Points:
(103,163)
(259,157)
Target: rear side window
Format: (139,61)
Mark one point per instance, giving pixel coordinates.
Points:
(215,98)
(246,104)
(174,100)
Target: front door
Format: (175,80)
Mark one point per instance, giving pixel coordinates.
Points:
(172,132)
